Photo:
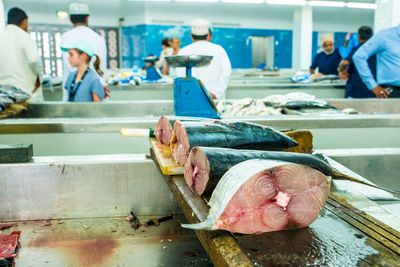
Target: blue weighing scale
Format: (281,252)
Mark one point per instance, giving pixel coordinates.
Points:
(191,98)
(152,73)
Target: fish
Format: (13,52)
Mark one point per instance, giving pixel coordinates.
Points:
(206,165)
(246,107)
(2,106)
(6,99)
(18,95)
(258,196)
(240,135)
(297,104)
(163,130)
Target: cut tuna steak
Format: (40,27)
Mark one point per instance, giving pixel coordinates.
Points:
(206,165)
(163,130)
(241,135)
(258,196)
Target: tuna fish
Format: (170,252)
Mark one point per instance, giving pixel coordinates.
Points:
(163,130)
(258,196)
(6,99)
(206,165)
(14,93)
(240,135)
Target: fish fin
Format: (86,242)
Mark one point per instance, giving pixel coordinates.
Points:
(207,224)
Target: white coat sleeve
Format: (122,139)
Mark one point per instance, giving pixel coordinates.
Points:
(225,74)
(32,56)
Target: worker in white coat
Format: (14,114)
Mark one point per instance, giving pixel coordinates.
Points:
(215,76)
(20,64)
(79,16)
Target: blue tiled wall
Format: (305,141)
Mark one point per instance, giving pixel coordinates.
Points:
(133,45)
(141,40)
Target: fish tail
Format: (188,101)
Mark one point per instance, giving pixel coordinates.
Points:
(339,175)
(207,224)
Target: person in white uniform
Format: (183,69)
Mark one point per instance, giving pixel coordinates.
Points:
(20,65)
(79,16)
(215,76)
(167,51)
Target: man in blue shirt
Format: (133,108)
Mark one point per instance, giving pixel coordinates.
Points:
(328,60)
(355,88)
(386,46)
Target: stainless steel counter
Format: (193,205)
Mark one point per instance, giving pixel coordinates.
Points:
(83,187)
(91,136)
(234,91)
(146,108)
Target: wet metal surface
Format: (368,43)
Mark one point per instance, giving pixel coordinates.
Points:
(378,165)
(82,187)
(106,242)
(329,241)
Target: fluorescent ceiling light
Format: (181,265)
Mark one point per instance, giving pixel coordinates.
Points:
(149,0)
(327,3)
(196,0)
(287,2)
(61,14)
(244,1)
(361,5)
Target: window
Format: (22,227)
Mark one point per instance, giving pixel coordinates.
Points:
(48,40)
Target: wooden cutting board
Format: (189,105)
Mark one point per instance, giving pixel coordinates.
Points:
(165,161)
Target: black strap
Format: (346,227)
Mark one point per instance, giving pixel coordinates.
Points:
(73,92)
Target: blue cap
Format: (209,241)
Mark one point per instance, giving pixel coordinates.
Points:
(82,45)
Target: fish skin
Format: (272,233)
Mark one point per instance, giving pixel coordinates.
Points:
(14,93)
(237,134)
(220,160)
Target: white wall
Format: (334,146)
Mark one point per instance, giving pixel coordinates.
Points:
(222,14)
(341,19)
(387,14)
(102,12)
(132,12)
(107,13)
(257,16)
(2,16)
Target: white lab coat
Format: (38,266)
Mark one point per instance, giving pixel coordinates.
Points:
(161,62)
(20,64)
(98,43)
(215,76)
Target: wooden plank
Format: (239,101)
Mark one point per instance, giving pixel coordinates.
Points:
(379,231)
(164,159)
(13,110)
(303,138)
(221,246)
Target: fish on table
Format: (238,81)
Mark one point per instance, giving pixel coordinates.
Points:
(258,196)
(218,133)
